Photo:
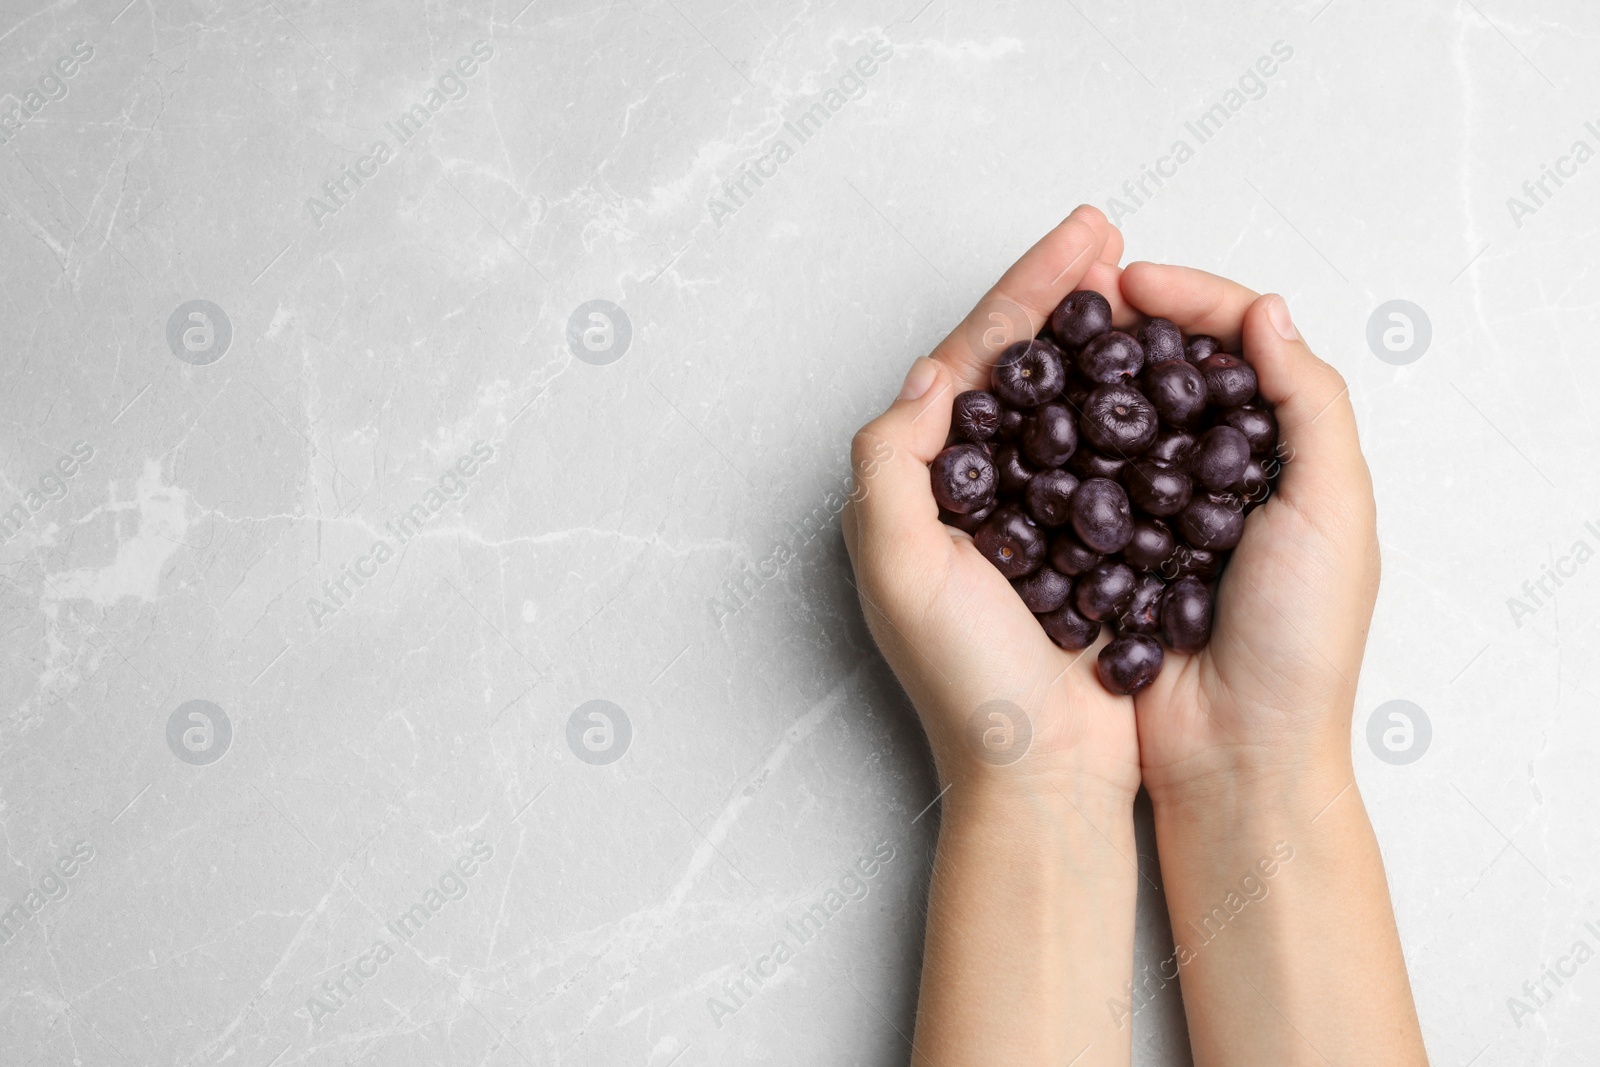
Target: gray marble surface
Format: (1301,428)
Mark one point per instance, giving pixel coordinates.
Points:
(397,500)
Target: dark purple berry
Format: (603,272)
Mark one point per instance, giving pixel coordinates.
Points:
(1070,555)
(1010,428)
(1014,472)
(1201,563)
(1046,589)
(1076,394)
(1143,613)
(1220,458)
(1100,515)
(1151,546)
(1110,358)
(969,522)
(1207,522)
(1049,497)
(964,479)
(1177,391)
(1029,373)
(1186,615)
(976,415)
(1200,346)
(1172,447)
(1011,542)
(1081,317)
(1068,629)
(1119,421)
(1156,488)
(1258,427)
(1161,340)
(1103,591)
(1129,664)
(1230,381)
(1252,485)
(1050,435)
(1087,463)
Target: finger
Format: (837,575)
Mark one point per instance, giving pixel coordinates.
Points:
(891,507)
(1112,252)
(1106,279)
(1023,298)
(1198,302)
(1317,439)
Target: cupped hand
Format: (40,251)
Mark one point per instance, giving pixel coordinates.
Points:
(955,633)
(1272,693)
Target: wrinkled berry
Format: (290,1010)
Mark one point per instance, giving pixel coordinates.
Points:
(1100,515)
(1013,471)
(1070,555)
(1258,427)
(1119,421)
(1200,346)
(1029,373)
(1220,458)
(1104,590)
(1081,317)
(1151,545)
(1087,463)
(1050,435)
(1177,391)
(1011,542)
(1161,339)
(964,479)
(1186,615)
(1230,381)
(976,415)
(1156,488)
(1110,358)
(1207,522)
(1068,629)
(1049,497)
(1129,664)
(1046,589)
(1143,613)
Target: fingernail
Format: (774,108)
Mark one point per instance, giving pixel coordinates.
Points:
(919,380)
(1278,313)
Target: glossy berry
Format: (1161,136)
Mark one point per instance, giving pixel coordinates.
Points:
(1077,392)
(1049,497)
(1087,463)
(964,479)
(1200,346)
(1013,471)
(1186,615)
(1207,522)
(1081,317)
(1069,629)
(1172,447)
(1119,421)
(1129,664)
(1046,589)
(1010,428)
(975,415)
(1252,485)
(1258,427)
(1100,515)
(1201,563)
(1177,391)
(1029,373)
(1230,381)
(969,522)
(1050,435)
(1151,545)
(1161,340)
(1011,541)
(1110,358)
(1070,555)
(1156,488)
(1104,591)
(1143,613)
(1220,458)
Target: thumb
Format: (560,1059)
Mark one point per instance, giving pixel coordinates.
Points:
(891,512)
(1324,473)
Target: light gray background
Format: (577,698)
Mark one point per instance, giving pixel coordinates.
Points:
(770,748)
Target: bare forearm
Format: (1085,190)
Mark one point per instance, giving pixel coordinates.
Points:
(1286,939)
(1030,930)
